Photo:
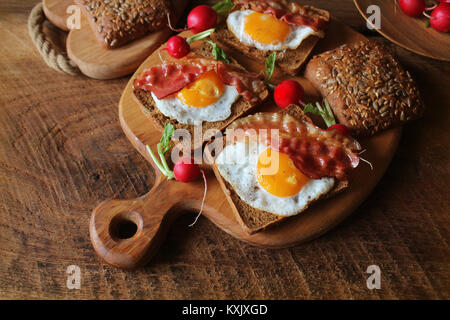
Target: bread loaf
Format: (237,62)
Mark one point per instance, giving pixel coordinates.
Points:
(117,22)
(366,87)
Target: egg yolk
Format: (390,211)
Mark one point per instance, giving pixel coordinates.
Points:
(265,28)
(204,91)
(284,180)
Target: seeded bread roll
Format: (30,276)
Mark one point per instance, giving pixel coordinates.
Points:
(255,220)
(366,87)
(240,106)
(289,60)
(117,22)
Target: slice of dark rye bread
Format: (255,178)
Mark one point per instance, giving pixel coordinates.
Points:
(255,220)
(289,61)
(240,106)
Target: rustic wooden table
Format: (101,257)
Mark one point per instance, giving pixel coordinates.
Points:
(62,151)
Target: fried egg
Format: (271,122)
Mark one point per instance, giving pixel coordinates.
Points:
(266,32)
(205,99)
(268,180)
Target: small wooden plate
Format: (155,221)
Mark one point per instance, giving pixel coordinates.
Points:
(408,32)
(153,213)
(100,63)
(95,61)
(55,11)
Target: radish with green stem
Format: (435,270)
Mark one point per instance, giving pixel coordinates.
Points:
(440,17)
(201,18)
(289,92)
(204,17)
(185,170)
(178,47)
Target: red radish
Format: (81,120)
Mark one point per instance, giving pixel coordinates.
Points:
(201,18)
(440,18)
(413,8)
(341,128)
(178,47)
(185,170)
(203,200)
(288,92)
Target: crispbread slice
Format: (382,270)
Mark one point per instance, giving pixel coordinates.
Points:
(289,61)
(239,108)
(254,220)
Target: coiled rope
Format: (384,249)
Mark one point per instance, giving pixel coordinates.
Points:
(55,59)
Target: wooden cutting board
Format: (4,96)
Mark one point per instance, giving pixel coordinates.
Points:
(95,61)
(408,32)
(126,233)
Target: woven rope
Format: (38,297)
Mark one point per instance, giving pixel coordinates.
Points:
(54,59)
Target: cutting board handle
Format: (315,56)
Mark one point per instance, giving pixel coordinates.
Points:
(127,233)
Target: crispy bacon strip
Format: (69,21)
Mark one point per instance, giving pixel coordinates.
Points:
(249,85)
(317,159)
(166,79)
(290,12)
(172,76)
(315,152)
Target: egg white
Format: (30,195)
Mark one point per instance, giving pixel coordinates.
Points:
(183,113)
(297,34)
(237,164)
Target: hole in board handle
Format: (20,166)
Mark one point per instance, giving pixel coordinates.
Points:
(125,225)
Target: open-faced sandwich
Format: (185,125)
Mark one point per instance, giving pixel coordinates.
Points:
(198,89)
(258,28)
(269,176)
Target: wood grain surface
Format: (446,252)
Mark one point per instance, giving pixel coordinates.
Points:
(62,151)
(408,32)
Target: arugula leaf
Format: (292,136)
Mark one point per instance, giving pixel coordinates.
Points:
(324,112)
(310,108)
(328,114)
(200,35)
(166,137)
(270,64)
(271,86)
(163,146)
(223,7)
(218,52)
